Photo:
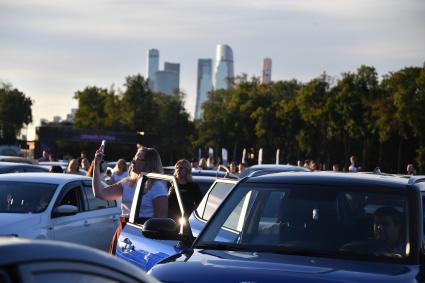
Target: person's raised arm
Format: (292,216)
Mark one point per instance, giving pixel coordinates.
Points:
(112,192)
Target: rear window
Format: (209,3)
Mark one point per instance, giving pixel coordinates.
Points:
(25,197)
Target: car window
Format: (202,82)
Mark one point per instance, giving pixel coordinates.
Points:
(15,170)
(72,196)
(147,189)
(96,203)
(369,222)
(214,199)
(25,197)
(35,169)
(204,185)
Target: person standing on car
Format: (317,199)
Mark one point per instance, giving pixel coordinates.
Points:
(154,201)
(189,191)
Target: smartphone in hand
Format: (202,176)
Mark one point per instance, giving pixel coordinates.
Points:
(102,146)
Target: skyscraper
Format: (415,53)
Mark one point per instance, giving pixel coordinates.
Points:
(168,80)
(204,84)
(223,72)
(267,71)
(153,65)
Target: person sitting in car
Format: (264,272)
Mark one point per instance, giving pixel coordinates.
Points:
(387,231)
(388,235)
(189,191)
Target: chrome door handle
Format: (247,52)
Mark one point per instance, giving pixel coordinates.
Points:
(126,245)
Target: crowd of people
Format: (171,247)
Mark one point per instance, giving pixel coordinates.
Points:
(158,199)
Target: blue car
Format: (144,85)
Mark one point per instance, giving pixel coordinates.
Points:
(303,227)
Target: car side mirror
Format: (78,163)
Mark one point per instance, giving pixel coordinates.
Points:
(161,229)
(65,210)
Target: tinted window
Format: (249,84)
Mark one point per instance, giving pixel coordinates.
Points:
(316,220)
(35,169)
(14,170)
(204,185)
(73,197)
(215,198)
(95,203)
(24,197)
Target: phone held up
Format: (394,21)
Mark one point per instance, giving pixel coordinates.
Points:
(102,146)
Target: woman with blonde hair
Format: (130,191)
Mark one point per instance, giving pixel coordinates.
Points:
(73,167)
(189,191)
(119,172)
(154,201)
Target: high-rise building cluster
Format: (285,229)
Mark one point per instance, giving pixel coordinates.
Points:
(166,81)
(217,75)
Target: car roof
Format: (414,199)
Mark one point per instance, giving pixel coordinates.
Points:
(11,164)
(17,159)
(272,167)
(326,178)
(203,178)
(53,162)
(45,177)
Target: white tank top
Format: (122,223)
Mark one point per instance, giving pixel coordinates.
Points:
(127,196)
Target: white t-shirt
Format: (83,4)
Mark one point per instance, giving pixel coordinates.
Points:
(115,178)
(353,168)
(127,196)
(158,189)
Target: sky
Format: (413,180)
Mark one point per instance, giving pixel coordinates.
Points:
(51,49)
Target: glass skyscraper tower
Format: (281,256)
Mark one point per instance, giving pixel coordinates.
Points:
(168,80)
(223,72)
(204,84)
(153,66)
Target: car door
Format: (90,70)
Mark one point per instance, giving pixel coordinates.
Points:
(102,218)
(71,228)
(133,246)
(209,204)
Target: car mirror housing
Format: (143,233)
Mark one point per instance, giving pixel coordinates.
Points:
(161,229)
(65,210)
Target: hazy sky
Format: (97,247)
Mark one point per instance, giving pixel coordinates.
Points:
(50,49)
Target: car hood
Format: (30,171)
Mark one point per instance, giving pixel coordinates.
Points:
(12,223)
(215,266)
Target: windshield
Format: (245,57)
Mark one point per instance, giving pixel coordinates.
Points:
(25,197)
(312,220)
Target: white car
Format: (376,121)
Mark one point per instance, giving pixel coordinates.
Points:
(57,207)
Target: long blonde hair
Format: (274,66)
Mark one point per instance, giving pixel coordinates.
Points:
(72,166)
(186,165)
(117,165)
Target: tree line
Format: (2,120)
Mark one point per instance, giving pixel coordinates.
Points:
(378,119)
(326,119)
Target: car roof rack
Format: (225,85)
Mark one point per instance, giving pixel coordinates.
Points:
(416,179)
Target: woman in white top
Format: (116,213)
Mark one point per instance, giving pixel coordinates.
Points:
(154,202)
(119,172)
